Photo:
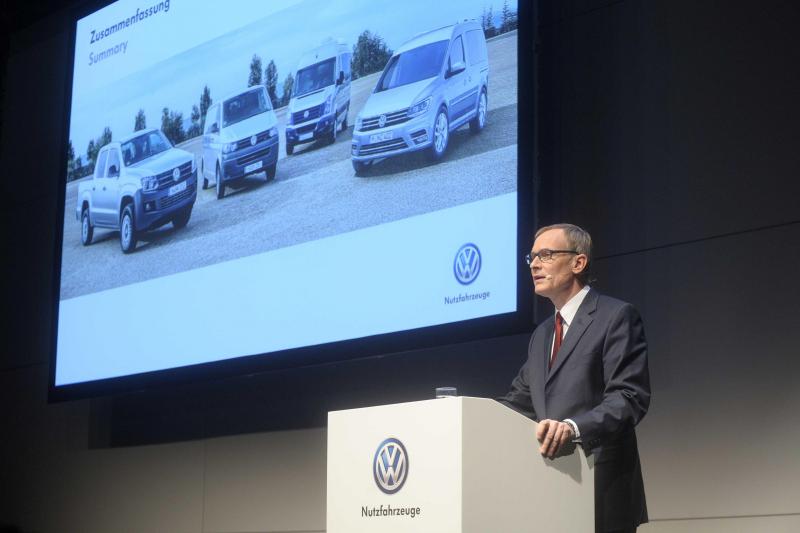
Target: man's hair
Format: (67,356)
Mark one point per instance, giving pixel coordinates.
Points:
(578,239)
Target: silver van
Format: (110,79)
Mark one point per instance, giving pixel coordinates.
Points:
(432,85)
(320,95)
(240,138)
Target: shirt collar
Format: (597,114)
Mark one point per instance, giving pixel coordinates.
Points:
(570,309)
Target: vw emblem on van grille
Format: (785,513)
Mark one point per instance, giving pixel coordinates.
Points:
(382,121)
(467,264)
(253,140)
(305,115)
(390,466)
(176,174)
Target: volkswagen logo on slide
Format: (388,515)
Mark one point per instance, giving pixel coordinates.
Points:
(390,466)
(467,264)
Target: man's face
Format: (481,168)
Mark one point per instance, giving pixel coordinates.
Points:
(558,276)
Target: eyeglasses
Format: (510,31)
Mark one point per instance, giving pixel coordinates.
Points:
(545,255)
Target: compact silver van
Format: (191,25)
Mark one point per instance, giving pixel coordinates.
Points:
(240,138)
(320,95)
(432,85)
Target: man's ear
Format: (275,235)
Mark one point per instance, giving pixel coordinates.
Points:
(580,264)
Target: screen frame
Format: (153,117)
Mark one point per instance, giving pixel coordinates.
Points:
(383,345)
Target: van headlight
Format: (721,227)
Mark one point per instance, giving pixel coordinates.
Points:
(149,183)
(290,118)
(194,164)
(328,105)
(273,132)
(420,107)
(359,123)
(229,147)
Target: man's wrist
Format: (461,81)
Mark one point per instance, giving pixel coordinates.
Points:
(575,431)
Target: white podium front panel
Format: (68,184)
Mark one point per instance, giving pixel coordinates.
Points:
(454,465)
(428,470)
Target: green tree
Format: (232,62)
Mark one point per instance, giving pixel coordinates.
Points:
(271,82)
(288,85)
(508,19)
(205,103)
(172,125)
(195,129)
(77,169)
(370,54)
(70,159)
(105,138)
(91,154)
(95,145)
(140,122)
(255,71)
(490,30)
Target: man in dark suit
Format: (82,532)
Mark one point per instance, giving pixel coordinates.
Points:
(586,378)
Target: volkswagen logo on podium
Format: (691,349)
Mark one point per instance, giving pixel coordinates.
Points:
(467,264)
(390,466)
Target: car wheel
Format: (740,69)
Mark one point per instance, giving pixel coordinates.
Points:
(332,136)
(361,167)
(220,185)
(441,135)
(271,171)
(479,122)
(127,230)
(87,230)
(181,219)
(203,173)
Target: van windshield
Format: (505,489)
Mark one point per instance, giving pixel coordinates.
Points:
(412,66)
(244,106)
(144,146)
(316,77)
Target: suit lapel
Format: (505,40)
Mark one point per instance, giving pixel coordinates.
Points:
(542,357)
(576,330)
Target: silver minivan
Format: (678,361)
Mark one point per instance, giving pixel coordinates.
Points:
(240,138)
(432,85)
(320,95)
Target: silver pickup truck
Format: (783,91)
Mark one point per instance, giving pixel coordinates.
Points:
(139,183)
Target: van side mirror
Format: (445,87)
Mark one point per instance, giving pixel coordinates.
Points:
(456,68)
(215,128)
(113,171)
(340,79)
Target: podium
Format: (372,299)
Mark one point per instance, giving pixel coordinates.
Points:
(451,465)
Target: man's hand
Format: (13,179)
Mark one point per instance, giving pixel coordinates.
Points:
(553,435)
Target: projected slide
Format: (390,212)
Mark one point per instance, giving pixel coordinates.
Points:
(247,177)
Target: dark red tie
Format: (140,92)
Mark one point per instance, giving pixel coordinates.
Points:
(557,338)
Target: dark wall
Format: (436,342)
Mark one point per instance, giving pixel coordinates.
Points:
(669,131)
